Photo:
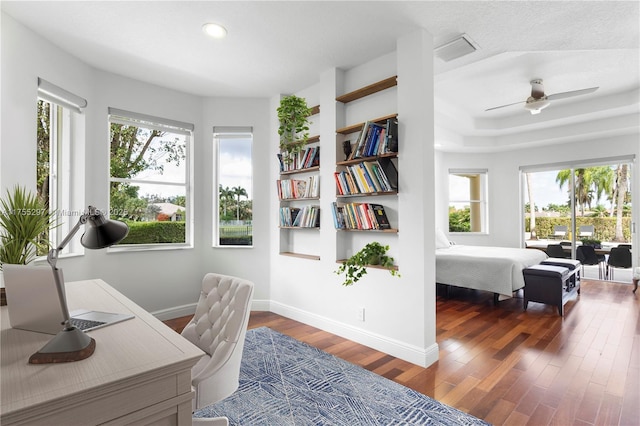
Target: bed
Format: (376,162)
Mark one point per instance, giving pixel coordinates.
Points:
(494,269)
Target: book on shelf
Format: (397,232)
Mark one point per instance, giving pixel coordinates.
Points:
(309,157)
(289,189)
(288,215)
(380,216)
(379,175)
(376,139)
(392,135)
(361,216)
(305,217)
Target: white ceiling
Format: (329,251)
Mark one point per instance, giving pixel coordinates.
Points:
(281,47)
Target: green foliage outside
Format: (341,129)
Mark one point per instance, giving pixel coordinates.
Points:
(604,227)
(231,206)
(459,220)
(155,232)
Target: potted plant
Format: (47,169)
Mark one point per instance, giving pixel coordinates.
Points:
(591,242)
(293,114)
(24,223)
(355,267)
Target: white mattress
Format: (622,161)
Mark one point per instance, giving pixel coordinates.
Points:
(495,269)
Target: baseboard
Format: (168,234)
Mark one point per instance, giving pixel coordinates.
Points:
(414,354)
(175,312)
(190,309)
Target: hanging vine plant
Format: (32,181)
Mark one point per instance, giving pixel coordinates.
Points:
(293,114)
(355,267)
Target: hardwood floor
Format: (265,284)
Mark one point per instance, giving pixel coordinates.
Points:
(511,367)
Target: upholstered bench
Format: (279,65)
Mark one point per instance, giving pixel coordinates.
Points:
(574,267)
(549,284)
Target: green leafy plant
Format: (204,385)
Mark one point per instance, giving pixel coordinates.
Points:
(591,242)
(24,225)
(356,266)
(293,114)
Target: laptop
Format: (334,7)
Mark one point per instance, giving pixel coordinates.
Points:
(34,305)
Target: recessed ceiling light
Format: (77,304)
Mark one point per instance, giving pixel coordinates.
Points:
(214,30)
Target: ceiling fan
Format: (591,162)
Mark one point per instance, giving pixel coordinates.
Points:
(538,100)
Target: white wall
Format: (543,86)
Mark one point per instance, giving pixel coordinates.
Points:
(250,263)
(399,312)
(167,281)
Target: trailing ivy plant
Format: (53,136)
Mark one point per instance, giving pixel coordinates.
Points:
(24,224)
(293,114)
(355,267)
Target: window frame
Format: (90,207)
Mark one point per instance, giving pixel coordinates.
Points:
(150,122)
(66,165)
(228,132)
(482,203)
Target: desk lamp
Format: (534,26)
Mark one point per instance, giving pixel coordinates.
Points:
(72,344)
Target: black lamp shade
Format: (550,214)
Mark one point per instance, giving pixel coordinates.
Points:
(101,232)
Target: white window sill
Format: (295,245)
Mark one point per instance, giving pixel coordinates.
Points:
(148,247)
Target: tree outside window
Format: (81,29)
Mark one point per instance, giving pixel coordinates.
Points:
(467,201)
(234,177)
(149,178)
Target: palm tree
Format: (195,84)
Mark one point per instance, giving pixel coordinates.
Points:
(532,208)
(622,179)
(239,191)
(226,196)
(602,177)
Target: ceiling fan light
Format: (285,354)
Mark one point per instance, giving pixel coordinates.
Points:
(535,106)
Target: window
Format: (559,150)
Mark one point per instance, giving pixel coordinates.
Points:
(590,198)
(468,201)
(234,183)
(59,173)
(150,178)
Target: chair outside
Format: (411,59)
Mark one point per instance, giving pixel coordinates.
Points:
(586,231)
(556,250)
(620,257)
(587,256)
(559,232)
(219,327)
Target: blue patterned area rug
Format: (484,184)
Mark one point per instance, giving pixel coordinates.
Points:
(287,382)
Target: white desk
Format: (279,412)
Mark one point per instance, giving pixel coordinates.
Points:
(140,372)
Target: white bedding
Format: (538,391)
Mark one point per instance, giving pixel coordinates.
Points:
(495,269)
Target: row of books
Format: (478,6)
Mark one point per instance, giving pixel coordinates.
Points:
(305,217)
(289,189)
(310,157)
(376,139)
(367,177)
(359,216)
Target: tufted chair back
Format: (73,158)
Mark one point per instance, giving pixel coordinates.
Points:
(218,328)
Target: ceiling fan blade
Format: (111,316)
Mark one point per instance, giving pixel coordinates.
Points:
(502,106)
(572,93)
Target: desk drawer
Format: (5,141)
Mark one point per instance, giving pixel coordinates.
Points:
(106,405)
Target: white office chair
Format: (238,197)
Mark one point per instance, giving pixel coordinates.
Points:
(218,328)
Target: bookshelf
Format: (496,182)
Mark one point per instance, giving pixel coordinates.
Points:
(367,177)
(298,189)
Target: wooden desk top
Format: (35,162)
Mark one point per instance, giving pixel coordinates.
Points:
(126,353)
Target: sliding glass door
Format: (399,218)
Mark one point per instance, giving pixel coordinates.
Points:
(582,203)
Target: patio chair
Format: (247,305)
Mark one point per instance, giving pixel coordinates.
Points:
(620,257)
(559,232)
(586,231)
(587,256)
(556,250)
